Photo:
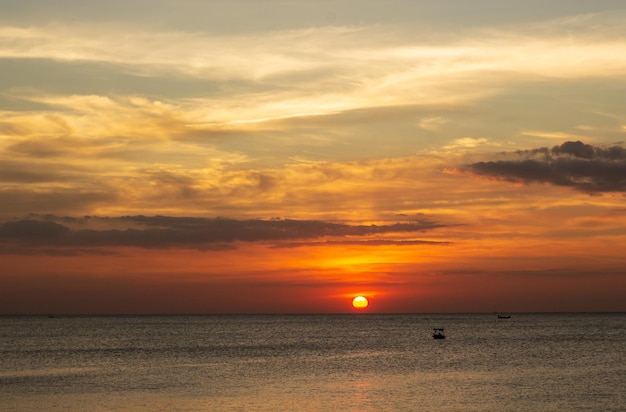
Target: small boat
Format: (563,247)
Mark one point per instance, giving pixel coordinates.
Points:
(504,316)
(438,333)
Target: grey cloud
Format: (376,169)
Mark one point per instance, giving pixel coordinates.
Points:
(16,201)
(584,167)
(33,229)
(15,172)
(186,232)
(42,148)
(23,171)
(576,149)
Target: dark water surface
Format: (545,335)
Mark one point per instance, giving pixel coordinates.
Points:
(530,362)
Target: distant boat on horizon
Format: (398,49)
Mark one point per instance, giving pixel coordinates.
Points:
(438,333)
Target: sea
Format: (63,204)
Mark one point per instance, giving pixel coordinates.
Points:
(356,362)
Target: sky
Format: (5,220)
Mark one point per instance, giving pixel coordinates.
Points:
(285,156)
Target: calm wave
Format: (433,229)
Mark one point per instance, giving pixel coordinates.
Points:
(555,362)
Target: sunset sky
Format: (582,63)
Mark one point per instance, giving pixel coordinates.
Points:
(250,156)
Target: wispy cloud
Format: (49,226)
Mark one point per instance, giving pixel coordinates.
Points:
(329,69)
(468,143)
(366,242)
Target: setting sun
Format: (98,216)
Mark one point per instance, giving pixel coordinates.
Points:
(360,302)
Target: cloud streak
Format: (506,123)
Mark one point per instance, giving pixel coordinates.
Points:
(577,165)
(332,68)
(187,232)
(372,242)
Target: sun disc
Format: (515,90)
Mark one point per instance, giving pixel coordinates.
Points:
(360,302)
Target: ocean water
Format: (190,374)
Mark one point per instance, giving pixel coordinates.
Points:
(364,362)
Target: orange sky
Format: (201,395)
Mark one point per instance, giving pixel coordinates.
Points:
(285,158)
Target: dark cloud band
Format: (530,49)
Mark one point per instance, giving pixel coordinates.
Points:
(575,164)
(165,231)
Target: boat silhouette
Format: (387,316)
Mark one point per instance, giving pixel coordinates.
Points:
(438,333)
